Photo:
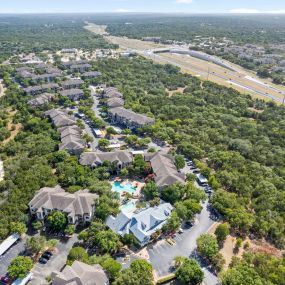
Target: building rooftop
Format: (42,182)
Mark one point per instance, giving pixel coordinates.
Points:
(131,116)
(79,203)
(97,158)
(80,273)
(165,170)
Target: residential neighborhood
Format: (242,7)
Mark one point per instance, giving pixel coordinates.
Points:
(141,149)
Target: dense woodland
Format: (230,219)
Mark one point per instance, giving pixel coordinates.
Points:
(240,140)
(238,143)
(36,33)
(239,28)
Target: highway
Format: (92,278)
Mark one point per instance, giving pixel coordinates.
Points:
(219,74)
(208,68)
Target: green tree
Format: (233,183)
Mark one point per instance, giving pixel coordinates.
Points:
(69,230)
(139,273)
(150,190)
(189,272)
(179,161)
(207,246)
(77,253)
(103,143)
(17,227)
(35,244)
(37,225)
(124,172)
(57,220)
(20,266)
(221,232)
(108,241)
(173,223)
(51,244)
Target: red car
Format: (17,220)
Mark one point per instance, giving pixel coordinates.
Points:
(5,279)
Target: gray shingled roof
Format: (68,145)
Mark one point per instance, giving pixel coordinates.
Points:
(97,158)
(80,273)
(79,203)
(71,82)
(165,170)
(41,88)
(112,92)
(71,92)
(41,99)
(91,74)
(115,102)
(131,116)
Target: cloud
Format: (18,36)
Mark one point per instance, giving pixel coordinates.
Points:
(184,1)
(255,11)
(121,10)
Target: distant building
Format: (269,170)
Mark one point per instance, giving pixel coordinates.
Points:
(91,74)
(68,64)
(142,224)
(79,207)
(152,39)
(80,273)
(70,133)
(80,67)
(40,100)
(129,118)
(60,118)
(33,90)
(69,50)
(112,92)
(72,83)
(72,94)
(115,102)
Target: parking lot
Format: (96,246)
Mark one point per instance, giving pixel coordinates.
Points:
(16,250)
(56,262)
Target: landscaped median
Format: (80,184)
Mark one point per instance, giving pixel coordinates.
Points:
(165,279)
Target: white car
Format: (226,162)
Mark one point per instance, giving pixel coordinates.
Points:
(180,231)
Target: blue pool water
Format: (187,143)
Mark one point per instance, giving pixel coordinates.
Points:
(116,186)
(128,207)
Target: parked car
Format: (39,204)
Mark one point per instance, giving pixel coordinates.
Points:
(5,279)
(46,256)
(43,260)
(47,252)
(120,254)
(180,231)
(196,171)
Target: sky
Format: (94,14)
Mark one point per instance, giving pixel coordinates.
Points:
(124,6)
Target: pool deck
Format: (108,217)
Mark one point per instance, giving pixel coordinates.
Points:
(136,184)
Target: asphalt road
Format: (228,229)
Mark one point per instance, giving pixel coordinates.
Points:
(231,78)
(162,254)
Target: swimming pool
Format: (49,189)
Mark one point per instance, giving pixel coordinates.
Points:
(128,207)
(119,188)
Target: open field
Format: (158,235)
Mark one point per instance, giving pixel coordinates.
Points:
(97,29)
(242,80)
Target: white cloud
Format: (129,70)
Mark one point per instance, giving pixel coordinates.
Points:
(184,1)
(255,11)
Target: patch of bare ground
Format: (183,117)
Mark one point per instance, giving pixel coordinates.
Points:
(2,89)
(256,110)
(254,246)
(13,128)
(172,92)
